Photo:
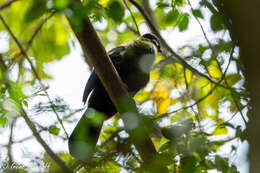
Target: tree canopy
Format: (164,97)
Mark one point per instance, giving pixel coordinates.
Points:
(196,97)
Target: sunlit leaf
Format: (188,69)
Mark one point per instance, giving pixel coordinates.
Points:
(220,128)
(214,71)
(233,79)
(162,105)
(141,96)
(54,130)
(155,74)
(112,167)
(172,17)
(61,4)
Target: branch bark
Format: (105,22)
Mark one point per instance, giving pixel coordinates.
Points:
(109,77)
(245,29)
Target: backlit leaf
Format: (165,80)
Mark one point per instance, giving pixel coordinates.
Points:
(220,128)
(172,16)
(184,22)
(54,130)
(233,79)
(115,10)
(197,13)
(216,23)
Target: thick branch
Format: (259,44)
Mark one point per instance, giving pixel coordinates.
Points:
(109,77)
(243,16)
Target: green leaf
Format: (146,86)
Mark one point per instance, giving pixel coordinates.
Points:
(171,16)
(179,2)
(221,129)
(112,167)
(162,4)
(36,10)
(164,159)
(3,121)
(141,96)
(201,49)
(221,163)
(25,103)
(54,130)
(216,23)
(233,79)
(197,13)
(184,22)
(60,4)
(116,11)
(225,46)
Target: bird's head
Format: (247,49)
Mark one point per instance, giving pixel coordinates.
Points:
(154,39)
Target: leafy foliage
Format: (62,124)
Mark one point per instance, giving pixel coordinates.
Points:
(185,107)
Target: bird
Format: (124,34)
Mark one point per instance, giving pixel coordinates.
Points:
(133,62)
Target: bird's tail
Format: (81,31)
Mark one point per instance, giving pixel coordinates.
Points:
(85,135)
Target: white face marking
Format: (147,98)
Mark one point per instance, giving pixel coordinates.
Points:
(146,62)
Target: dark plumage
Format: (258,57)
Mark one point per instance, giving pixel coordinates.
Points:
(133,62)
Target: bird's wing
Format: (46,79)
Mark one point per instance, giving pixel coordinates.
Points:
(90,85)
(116,56)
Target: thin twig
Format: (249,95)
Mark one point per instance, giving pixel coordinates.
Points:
(202,29)
(167,51)
(37,30)
(6,4)
(185,79)
(48,150)
(132,15)
(111,137)
(34,71)
(131,29)
(9,145)
(36,135)
(204,97)
(197,118)
(219,66)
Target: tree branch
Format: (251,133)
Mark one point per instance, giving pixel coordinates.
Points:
(166,49)
(133,18)
(6,4)
(219,66)
(205,96)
